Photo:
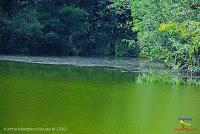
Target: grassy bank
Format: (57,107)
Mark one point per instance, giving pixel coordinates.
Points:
(167,78)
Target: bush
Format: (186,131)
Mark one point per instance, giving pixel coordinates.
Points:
(168,31)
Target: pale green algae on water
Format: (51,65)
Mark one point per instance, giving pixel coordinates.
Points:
(63,99)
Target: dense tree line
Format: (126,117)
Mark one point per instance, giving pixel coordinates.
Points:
(65,27)
(169,31)
(163,30)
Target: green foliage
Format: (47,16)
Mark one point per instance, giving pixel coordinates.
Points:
(167,79)
(4,31)
(169,31)
(64,27)
(127,48)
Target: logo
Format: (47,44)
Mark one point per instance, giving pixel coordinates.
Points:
(185,125)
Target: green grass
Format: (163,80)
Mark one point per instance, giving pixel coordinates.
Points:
(167,79)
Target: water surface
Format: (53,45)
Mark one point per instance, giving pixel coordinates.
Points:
(85,100)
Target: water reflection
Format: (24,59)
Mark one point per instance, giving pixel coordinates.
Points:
(91,100)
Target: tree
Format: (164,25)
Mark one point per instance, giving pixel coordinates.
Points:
(66,27)
(168,31)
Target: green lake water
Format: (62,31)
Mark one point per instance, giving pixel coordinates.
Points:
(90,100)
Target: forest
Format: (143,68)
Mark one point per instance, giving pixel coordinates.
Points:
(167,31)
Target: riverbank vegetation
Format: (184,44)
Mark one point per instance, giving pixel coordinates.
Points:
(66,27)
(169,31)
(167,79)
(165,31)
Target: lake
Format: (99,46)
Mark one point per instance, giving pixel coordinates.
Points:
(81,97)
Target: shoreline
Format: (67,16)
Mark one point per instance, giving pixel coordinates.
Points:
(125,64)
(147,69)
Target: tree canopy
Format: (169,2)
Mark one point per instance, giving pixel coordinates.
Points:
(64,27)
(167,31)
